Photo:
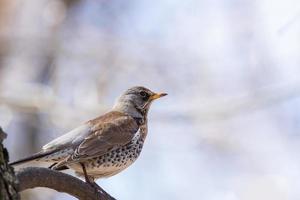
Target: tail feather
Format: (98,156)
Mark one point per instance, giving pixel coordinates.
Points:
(33,157)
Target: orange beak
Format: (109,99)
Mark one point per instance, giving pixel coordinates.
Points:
(157,96)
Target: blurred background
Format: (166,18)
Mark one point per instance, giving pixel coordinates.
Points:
(230,127)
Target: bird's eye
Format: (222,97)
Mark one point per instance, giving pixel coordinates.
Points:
(144,94)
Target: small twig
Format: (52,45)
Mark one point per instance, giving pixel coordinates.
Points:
(32,177)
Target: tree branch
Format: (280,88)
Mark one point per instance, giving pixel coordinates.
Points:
(32,177)
(8,181)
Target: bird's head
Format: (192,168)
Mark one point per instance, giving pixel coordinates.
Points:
(136,101)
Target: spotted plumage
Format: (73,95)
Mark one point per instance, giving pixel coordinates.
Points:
(106,145)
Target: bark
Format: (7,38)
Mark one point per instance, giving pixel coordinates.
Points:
(32,177)
(8,181)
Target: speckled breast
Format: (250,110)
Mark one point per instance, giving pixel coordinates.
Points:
(115,160)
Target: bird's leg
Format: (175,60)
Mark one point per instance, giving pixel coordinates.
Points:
(90,180)
(87,179)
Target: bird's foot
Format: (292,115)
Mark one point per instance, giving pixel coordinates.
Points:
(90,180)
(100,190)
(53,165)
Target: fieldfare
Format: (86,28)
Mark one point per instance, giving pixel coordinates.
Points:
(106,145)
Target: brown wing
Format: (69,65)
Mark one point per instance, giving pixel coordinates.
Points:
(108,131)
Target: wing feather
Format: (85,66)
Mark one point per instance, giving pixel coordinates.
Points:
(115,130)
(70,138)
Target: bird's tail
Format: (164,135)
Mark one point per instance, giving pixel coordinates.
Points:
(35,156)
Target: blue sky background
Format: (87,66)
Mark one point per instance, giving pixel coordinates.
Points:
(229,128)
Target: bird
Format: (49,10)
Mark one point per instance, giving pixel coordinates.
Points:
(104,146)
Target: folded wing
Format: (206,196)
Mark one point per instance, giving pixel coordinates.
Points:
(113,130)
(71,138)
(96,137)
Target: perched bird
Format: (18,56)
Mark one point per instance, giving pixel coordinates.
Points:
(106,145)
